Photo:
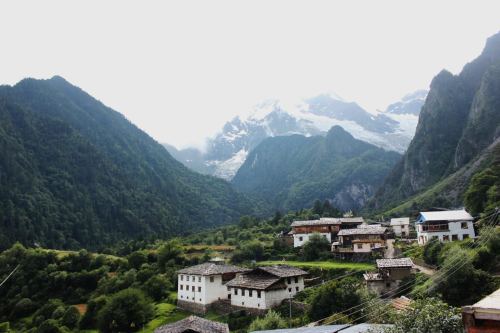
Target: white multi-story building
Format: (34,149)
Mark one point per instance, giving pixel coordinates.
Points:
(401,226)
(266,287)
(201,285)
(327,227)
(450,225)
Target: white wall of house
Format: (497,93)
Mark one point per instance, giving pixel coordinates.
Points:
(301,239)
(249,298)
(401,230)
(366,247)
(454,229)
(201,289)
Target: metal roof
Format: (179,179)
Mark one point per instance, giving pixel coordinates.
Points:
(347,328)
(210,268)
(446,215)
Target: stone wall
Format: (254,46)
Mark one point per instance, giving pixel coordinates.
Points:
(192,307)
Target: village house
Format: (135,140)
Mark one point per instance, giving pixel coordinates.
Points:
(389,275)
(201,285)
(194,324)
(328,227)
(401,226)
(484,316)
(265,287)
(450,225)
(362,240)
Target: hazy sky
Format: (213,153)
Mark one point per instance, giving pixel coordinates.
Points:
(180,69)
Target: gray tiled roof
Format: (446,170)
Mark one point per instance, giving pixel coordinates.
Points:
(362,231)
(194,324)
(401,262)
(314,329)
(328,221)
(257,281)
(209,268)
(283,270)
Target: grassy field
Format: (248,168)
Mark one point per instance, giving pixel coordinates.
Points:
(322,264)
(165,313)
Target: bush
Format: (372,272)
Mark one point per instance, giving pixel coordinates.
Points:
(126,311)
(4,327)
(49,326)
(23,308)
(271,321)
(89,319)
(71,317)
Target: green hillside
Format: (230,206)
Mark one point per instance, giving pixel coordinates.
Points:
(75,173)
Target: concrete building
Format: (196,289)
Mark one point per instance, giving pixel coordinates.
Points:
(450,225)
(484,316)
(401,226)
(265,287)
(201,285)
(194,324)
(328,227)
(362,240)
(389,275)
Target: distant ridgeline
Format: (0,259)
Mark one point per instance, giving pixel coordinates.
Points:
(454,156)
(290,172)
(74,173)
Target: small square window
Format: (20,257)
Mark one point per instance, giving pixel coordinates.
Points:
(250,293)
(242,303)
(187,277)
(181,287)
(388,284)
(289,290)
(200,299)
(296,288)
(199,278)
(199,289)
(288,280)
(296,279)
(211,279)
(360,246)
(235,291)
(465,225)
(465,236)
(182,296)
(192,288)
(182,277)
(301,238)
(258,294)
(242,292)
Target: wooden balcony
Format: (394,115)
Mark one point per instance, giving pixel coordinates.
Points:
(435,228)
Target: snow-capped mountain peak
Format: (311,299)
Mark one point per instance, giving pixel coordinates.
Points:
(392,129)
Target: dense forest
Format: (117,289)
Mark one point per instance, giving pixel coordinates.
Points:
(74,173)
(292,171)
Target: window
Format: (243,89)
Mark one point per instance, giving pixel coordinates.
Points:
(454,237)
(296,280)
(187,287)
(301,238)
(192,289)
(250,293)
(465,225)
(199,289)
(242,292)
(289,290)
(211,279)
(372,245)
(199,278)
(187,277)
(193,298)
(360,246)
(200,299)
(258,305)
(228,288)
(182,277)
(465,236)
(242,303)
(289,280)
(181,287)
(194,278)
(258,294)
(387,284)
(296,288)
(235,291)
(446,238)
(182,296)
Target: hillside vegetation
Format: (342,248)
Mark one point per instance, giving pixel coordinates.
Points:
(74,173)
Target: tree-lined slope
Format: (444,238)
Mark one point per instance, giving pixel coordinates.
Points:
(291,172)
(73,173)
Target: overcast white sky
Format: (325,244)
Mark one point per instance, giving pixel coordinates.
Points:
(180,69)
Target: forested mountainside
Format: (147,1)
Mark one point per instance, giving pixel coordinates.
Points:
(460,118)
(291,172)
(74,173)
(391,129)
